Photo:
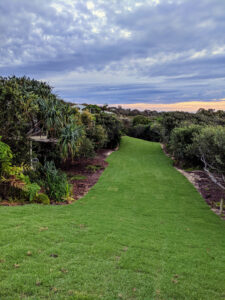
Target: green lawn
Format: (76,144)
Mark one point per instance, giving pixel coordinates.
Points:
(142,232)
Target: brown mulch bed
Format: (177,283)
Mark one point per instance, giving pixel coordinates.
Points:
(81,168)
(210,191)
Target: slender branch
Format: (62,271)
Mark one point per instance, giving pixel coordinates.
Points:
(212,177)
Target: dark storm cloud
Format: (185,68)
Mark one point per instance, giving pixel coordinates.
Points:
(153,50)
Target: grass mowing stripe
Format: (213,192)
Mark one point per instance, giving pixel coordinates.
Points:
(142,232)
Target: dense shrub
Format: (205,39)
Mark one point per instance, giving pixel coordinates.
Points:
(156,132)
(137,131)
(42,198)
(181,144)
(146,132)
(97,134)
(14,182)
(112,127)
(87,118)
(47,152)
(140,120)
(86,149)
(5,158)
(210,147)
(55,183)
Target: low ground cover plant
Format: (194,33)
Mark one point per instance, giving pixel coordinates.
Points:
(77,177)
(93,168)
(55,183)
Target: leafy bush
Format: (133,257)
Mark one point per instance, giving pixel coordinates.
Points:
(140,120)
(137,131)
(97,134)
(5,158)
(13,177)
(112,127)
(146,132)
(182,144)
(42,198)
(156,132)
(87,118)
(210,147)
(86,148)
(31,189)
(55,183)
(19,185)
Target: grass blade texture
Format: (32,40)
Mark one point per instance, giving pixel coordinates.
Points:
(142,232)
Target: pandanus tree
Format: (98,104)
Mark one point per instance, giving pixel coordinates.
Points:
(70,139)
(50,116)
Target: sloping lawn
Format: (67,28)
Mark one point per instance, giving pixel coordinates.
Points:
(142,232)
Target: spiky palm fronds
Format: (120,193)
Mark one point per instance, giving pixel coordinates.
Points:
(70,138)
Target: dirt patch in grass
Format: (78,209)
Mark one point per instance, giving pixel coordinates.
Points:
(82,175)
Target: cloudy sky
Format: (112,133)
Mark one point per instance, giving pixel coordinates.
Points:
(156,54)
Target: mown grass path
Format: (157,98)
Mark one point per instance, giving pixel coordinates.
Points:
(142,232)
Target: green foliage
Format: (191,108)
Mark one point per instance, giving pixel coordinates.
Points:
(29,107)
(210,146)
(18,110)
(87,118)
(42,198)
(31,189)
(14,176)
(20,185)
(93,168)
(137,131)
(151,132)
(86,148)
(140,120)
(112,127)
(100,136)
(50,115)
(92,108)
(77,177)
(97,134)
(170,121)
(55,182)
(156,132)
(70,139)
(5,158)
(181,144)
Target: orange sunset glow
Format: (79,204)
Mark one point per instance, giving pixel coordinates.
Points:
(191,106)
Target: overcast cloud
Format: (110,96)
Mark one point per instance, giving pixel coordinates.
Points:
(117,51)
